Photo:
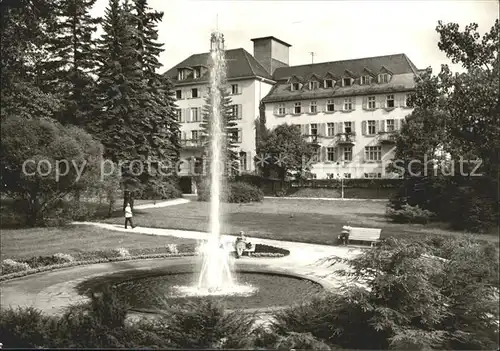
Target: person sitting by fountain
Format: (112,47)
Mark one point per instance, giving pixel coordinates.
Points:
(241,244)
(344,235)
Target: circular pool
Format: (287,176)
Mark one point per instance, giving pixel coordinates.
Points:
(152,290)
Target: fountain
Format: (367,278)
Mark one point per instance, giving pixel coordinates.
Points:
(216,276)
(251,286)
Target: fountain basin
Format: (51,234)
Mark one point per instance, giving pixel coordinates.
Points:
(150,291)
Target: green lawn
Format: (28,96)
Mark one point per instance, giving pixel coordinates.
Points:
(296,220)
(26,243)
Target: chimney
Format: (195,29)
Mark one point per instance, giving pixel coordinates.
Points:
(271,53)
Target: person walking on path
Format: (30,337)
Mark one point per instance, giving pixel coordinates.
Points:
(128,216)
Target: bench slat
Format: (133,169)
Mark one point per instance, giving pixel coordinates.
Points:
(365,234)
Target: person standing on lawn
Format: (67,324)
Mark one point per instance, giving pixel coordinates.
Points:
(128,216)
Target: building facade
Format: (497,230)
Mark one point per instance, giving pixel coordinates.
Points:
(350,109)
(247,83)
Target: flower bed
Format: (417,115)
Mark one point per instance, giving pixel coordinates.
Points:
(15,269)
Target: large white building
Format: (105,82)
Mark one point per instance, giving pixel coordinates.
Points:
(348,108)
(248,82)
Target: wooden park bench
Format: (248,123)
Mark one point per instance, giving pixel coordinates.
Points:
(371,235)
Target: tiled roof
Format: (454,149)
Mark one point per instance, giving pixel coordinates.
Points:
(239,64)
(402,68)
(397,64)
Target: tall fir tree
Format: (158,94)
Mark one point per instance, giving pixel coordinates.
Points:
(229,124)
(24,34)
(120,91)
(160,108)
(73,59)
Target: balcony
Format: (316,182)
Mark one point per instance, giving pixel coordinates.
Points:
(311,138)
(191,143)
(346,138)
(386,138)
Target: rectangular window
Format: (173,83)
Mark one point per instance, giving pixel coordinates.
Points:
(295,86)
(348,127)
(373,153)
(383,78)
(347,175)
(297,108)
(346,82)
(331,129)
(235,111)
(408,100)
(236,136)
(281,109)
(347,153)
(313,85)
(371,102)
(313,108)
(330,106)
(371,127)
(328,83)
(314,129)
(347,104)
(365,80)
(389,125)
(179,114)
(194,135)
(330,154)
(178,94)
(390,101)
(243,161)
(372,175)
(182,74)
(194,93)
(234,89)
(195,117)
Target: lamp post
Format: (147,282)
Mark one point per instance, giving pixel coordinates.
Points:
(341,177)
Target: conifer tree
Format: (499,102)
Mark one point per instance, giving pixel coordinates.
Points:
(120,91)
(160,108)
(23,37)
(73,58)
(228,123)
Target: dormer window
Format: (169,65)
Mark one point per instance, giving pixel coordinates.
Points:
(328,83)
(366,80)
(313,85)
(182,74)
(383,78)
(347,82)
(197,72)
(295,86)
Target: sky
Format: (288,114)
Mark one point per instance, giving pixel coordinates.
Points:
(333,30)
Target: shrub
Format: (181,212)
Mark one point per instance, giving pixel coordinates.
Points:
(121,252)
(409,214)
(26,327)
(301,341)
(242,192)
(172,248)
(205,324)
(11,266)
(234,192)
(63,258)
(41,261)
(167,188)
